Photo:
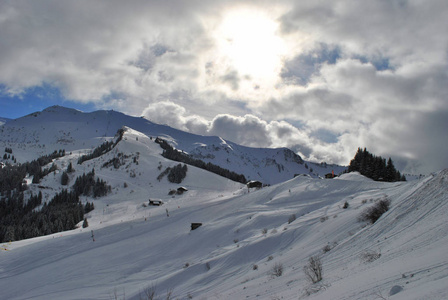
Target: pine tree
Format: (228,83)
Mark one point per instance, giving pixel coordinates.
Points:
(9,234)
(70,168)
(36,177)
(390,171)
(64,178)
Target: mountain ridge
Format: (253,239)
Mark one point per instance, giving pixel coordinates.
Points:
(59,127)
(132,248)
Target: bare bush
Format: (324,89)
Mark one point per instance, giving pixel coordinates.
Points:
(323,219)
(277,270)
(314,289)
(150,294)
(370,255)
(291,218)
(373,213)
(118,297)
(326,248)
(313,270)
(169,294)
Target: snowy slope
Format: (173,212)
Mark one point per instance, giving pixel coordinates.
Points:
(255,163)
(137,248)
(58,127)
(3,120)
(410,238)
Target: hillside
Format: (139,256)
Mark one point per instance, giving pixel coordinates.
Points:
(138,247)
(3,120)
(58,127)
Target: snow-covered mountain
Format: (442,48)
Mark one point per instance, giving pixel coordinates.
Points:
(3,120)
(253,243)
(58,127)
(246,235)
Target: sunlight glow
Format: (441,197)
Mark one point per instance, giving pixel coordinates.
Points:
(249,40)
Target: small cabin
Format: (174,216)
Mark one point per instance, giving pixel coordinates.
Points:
(181,190)
(195,225)
(155,202)
(254,184)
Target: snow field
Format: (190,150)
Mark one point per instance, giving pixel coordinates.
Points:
(241,228)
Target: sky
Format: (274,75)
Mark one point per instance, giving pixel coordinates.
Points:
(319,77)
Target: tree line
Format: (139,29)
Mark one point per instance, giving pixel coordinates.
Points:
(103,148)
(374,167)
(20,218)
(12,176)
(7,155)
(170,153)
(175,174)
(87,185)
(8,150)
(21,221)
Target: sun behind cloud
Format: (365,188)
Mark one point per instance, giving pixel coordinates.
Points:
(248,42)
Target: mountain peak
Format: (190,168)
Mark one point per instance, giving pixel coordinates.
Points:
(59,109)
(59,127)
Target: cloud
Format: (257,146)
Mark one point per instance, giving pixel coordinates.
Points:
(92,51)
(250,129)
(394,28)
(231,78)
(247,130)
(301,68)
(353,74)
(398,113)
(174,115)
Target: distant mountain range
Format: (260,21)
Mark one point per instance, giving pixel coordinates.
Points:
(58,127)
